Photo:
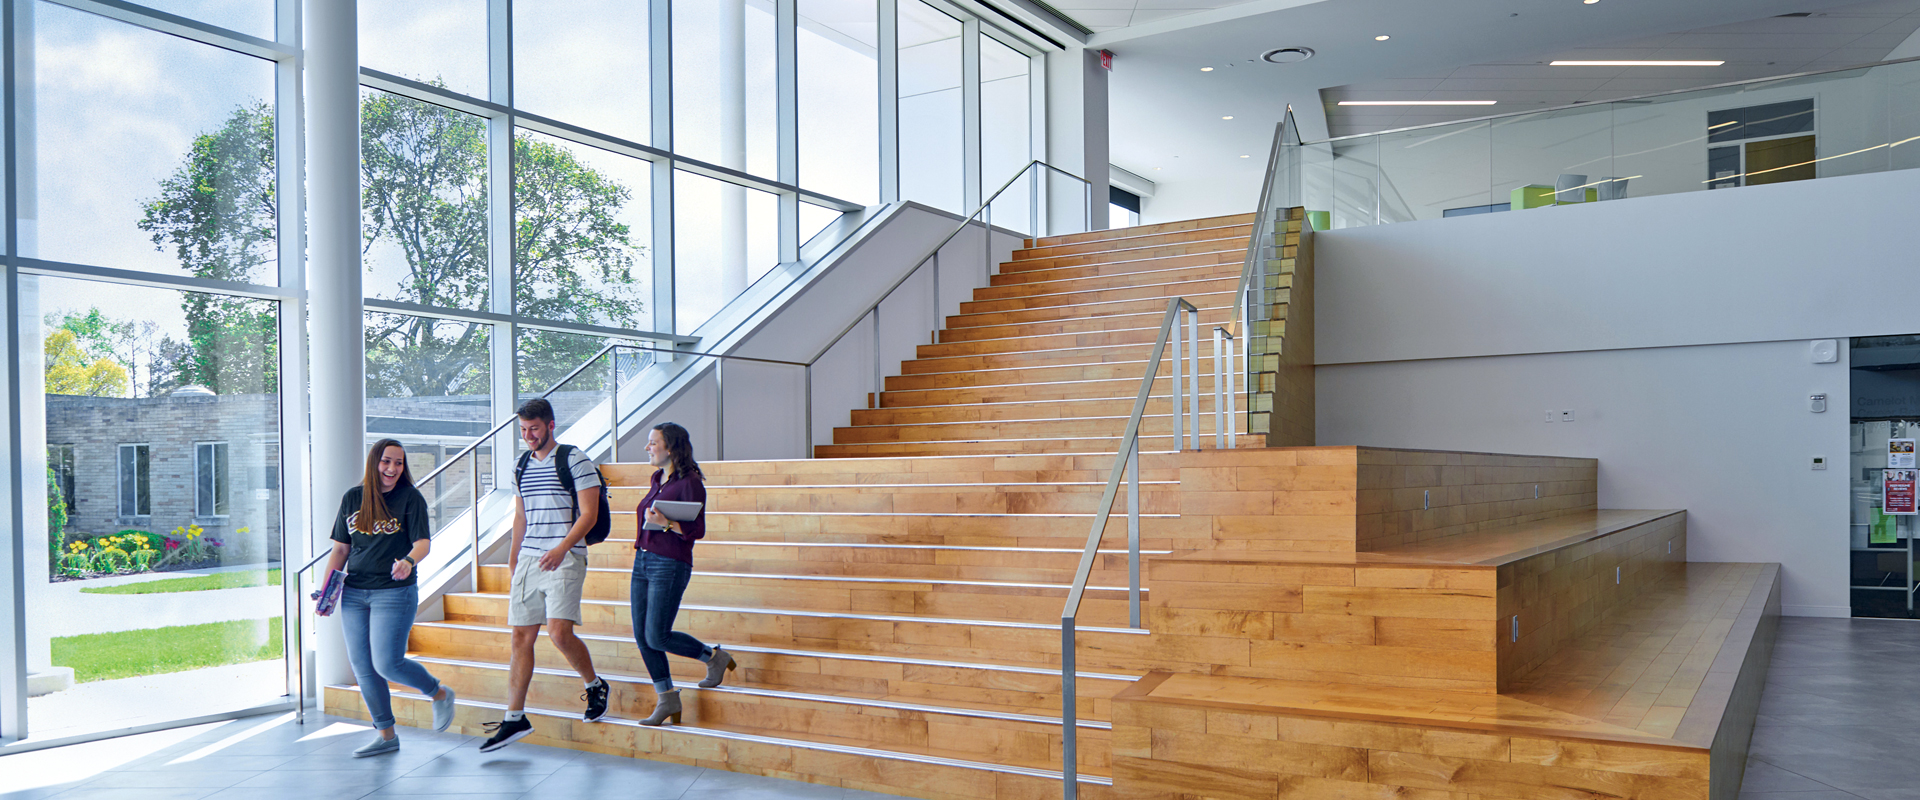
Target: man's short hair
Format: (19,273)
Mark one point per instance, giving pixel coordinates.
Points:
(537,408)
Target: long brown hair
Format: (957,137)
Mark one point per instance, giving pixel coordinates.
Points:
(679,449)
(373,507)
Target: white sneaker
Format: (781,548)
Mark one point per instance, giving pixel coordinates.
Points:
(379,746)
(443,711)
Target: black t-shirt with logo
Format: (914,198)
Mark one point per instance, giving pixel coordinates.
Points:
(370,562)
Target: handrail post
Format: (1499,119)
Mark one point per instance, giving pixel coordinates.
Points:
(613,405)
(1133,533)
(1193,372)
(1219,381)
(1177,419)
(1233,417)
(875,400)
(807,421)
(720,403)
(1069,749)
(473,511)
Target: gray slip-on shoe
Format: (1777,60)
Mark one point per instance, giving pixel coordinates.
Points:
(379,746)
(443,711)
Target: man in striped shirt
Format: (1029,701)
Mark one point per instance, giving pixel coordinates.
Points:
(549,567)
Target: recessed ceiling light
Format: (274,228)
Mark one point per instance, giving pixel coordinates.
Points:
(1635,63)
(1206,69)
(1589,2)
(1229,116)
(1418,102)
(1246,156)
(1381,38)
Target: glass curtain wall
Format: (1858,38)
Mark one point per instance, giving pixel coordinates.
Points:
(152,275)
(536,184)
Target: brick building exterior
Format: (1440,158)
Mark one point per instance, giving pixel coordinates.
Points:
(186,435)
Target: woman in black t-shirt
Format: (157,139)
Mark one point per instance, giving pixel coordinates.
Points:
(379,538)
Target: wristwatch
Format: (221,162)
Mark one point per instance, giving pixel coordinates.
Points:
(410,561)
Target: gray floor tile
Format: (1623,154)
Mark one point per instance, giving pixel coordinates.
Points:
(36,793)
(327,792)
(719,783)
(623,784)
(184,779)
(1830,794)
(216,763)
(1764,777)
(135,793)
(500,783)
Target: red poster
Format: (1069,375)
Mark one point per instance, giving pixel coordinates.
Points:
(1899,491)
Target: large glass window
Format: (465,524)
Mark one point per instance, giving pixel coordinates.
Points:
(932,169)
(166,406)
(839,53)
(423,172)
(583,62)
(441,42)
(726,237)
(251,17)
(429,386)
(724,91)
(149,152)
(582,225)
(1006,136)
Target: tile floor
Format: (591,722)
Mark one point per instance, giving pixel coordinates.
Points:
(1840,720)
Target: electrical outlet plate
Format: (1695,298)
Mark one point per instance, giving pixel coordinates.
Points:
(1567,415)
(1552,415)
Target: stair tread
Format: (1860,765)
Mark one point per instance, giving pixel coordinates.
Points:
(626,634)
(790,739)
(856,579)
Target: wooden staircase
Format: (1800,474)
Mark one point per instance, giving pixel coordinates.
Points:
(1048,359)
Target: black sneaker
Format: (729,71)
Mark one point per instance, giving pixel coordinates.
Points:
(596,697)
(505,732)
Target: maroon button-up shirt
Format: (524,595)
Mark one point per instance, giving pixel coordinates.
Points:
(683,488)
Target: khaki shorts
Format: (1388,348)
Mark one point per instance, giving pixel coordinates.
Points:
(537,595)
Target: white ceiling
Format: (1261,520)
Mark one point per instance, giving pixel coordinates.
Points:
(1106,15)
(1832,39)
(1166,113)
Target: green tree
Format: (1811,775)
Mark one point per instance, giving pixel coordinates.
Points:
(216,212)
(70,370)
(424,196)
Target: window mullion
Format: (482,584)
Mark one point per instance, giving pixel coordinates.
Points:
(889,100)
(660,96)
(971,177)
(787,80)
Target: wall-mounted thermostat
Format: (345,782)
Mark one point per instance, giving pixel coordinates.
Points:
(1819,462)
(1826,351)
(1817,403)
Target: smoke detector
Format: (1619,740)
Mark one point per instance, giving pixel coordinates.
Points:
(1287,55)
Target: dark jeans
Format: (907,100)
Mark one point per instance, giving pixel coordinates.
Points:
(376,622)
(658,583)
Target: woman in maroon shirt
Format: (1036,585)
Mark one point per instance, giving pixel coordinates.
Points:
(662,563)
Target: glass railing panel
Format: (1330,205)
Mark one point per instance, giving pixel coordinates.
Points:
(1356,176)
(1436,172)
(1553,157)
(1316,176)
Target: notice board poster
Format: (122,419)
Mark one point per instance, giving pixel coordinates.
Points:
(1900,454)
(1898,491)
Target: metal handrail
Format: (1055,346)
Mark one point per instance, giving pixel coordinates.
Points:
(1127,463)
(965,222)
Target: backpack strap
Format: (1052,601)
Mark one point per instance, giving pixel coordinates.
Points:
(520,469)
(563,466)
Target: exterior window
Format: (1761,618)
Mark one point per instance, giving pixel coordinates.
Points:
(136,500)
(60,461)
(210,489)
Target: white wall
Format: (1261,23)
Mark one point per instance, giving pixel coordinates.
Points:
(1184,200)
(1676,327)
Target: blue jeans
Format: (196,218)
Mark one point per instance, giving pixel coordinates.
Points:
(376,623)
(658,583)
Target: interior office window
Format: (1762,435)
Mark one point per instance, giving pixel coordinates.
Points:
(423,183)
(1772,143)
(724,90)
(136,495)
(583,62)
(60,462)
(932,169)
(442,42)
(210,486)
(129,157)
(839,59)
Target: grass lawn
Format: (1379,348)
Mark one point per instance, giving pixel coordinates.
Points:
(194,583)
(127,654)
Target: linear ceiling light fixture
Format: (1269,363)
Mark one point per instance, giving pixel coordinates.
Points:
(1418,102)
(1635,63)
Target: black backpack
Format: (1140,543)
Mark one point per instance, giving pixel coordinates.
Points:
(563,465)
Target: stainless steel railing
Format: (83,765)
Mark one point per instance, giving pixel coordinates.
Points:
(1127,466)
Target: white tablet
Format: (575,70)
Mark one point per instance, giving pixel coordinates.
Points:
(676,510)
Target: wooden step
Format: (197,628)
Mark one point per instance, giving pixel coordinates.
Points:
(1090,444)
(1108,388)
(976,730)
(974,637)
(1220,258)
(1142,230)
(992,600)
(1221,247)
(1138,291)
(1065,356)
(1159,424)
(977,469)
(1039,409)
(928,773)
(1158,531)
(1240,232)
(934,562)
(1082,284)
(974,683)
(1145,320)
(1019,498)
(1039,344)
(1149,305)
(1010,376)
